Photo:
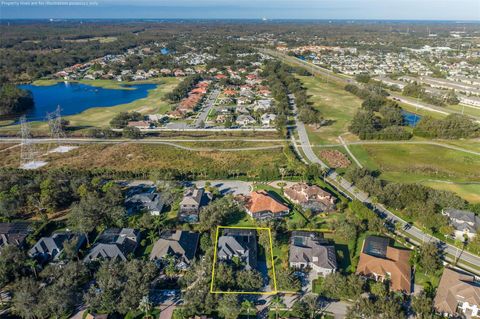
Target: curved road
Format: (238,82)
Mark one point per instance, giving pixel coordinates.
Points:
(414,234)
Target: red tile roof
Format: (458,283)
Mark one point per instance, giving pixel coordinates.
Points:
(260,201)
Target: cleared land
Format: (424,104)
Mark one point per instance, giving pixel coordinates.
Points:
(141,157)
(427,164)
(334,103)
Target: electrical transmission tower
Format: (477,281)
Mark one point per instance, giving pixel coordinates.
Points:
(56,127)
(27,154)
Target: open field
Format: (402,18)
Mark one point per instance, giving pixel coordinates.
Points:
(101,116)
(427,164)
(142,157)
(334,103)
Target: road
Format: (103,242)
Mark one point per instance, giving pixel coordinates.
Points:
(415,235)
(429,107)
(207,106)
(329,75)
(169,142)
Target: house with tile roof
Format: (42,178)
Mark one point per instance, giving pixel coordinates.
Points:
(180,244)
(114,243)
(458,295)
(309,250)
(261,205)
(379,261)
(310,197)
(51,248)
(238,243)
(464,222)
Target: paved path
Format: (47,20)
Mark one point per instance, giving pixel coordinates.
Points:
(345,146)
(171,142)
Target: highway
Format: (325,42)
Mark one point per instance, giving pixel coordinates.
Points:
(414,235)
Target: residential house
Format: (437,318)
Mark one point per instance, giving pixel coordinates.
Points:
(464,222)
(263,105)
(51,248)
(268,119)
(193,201)
(13,233)
(309,250)
(238,243)
(458,295)
(151,202)
(379,261)
(180,244)
(245,120)
(114,243)
(261,205)
(310,197)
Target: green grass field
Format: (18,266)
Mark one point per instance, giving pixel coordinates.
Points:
(334,103)
(431,165)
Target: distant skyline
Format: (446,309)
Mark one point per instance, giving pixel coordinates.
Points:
(246,9)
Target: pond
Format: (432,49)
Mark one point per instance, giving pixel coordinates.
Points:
(411,119)
(74,98)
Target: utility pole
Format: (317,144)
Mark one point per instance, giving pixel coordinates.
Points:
(55,124)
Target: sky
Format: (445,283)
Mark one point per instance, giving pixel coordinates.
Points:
(243,9)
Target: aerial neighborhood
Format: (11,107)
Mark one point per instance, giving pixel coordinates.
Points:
(225,169)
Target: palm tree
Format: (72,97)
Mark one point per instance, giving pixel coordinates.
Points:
(276,303)
(311,301)
(247,305)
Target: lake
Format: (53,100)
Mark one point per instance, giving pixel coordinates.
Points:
(75,98)
(411,118)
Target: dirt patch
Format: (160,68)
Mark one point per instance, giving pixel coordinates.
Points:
(335,159)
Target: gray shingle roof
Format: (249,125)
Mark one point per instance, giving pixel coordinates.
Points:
(304,247)
(182,244)
(13,233)
(150,201)
(463,220)
(114,243)
(238,243)
(51,247)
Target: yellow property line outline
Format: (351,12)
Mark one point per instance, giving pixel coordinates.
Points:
(273,292)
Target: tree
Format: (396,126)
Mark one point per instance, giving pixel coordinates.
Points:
(120,286)
(25,299)
(248,306)
(224,277)
(311,302)
(14,100)
(427,257)
(12,264)
(422,305)
(276,304)
(132,132)
(249,280)
(228,307)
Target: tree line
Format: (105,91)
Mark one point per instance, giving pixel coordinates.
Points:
(379,118)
